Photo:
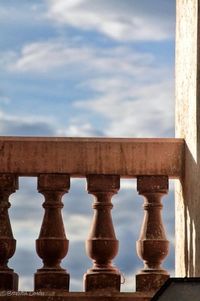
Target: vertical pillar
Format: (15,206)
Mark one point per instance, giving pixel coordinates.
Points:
(152,246)
(8,279)
(102,245)
(52,244)
(188,127)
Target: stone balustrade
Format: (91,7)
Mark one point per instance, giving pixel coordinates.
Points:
(102,162)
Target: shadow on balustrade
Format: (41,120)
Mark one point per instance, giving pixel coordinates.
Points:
(189,229)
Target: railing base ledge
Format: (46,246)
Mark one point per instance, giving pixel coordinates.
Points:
(73,296)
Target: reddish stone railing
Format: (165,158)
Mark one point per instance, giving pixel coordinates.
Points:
(102,162)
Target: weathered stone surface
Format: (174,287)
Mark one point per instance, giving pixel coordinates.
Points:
(52,244)
(102,245)
(188,127)
(82,156)
(8,279)
(152,246)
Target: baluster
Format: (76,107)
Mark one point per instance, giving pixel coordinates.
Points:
(152,246)
(52,245)
(102,245)
(8,279)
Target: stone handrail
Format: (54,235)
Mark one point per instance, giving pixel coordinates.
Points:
(102,161)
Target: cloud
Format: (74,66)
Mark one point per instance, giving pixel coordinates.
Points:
(79,129)
(28,12)
(31,125)
(119,20)
(4,99)
(71,57)
(24,126)
(11,125)
(133,109)
(129,90)
(45,56)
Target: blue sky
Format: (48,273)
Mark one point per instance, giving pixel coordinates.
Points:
(85,68)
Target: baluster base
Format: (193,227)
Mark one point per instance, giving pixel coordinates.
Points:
(8,280)
(102,281)
(150,281)
(51,280)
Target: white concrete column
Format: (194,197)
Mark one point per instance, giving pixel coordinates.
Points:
(188,127)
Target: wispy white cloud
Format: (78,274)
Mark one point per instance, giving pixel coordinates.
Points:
(69,56)
(123,21)
(130,91)
(42,57)
(135,109)
(22,12)
(79,129)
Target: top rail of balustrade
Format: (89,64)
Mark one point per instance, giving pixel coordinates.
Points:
(127,157)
